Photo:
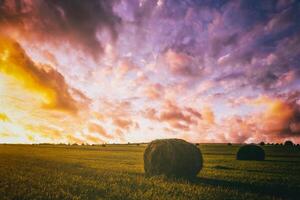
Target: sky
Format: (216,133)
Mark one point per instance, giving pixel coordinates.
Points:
(118,71)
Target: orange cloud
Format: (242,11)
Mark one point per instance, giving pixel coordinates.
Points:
(45,81)
(93,139)
(45,132)
(275,120)
(175,116)
(277,115)
(96,128)
(123,123)
(154,91)
(208,115)
(194,112)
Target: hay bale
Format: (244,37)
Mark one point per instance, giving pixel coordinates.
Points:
(250,152)
(288,143)
(172,158)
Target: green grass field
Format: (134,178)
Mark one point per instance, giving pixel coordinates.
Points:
(116,172)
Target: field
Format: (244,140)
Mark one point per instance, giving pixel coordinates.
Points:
(116,172)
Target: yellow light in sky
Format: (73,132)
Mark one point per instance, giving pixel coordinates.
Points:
(14,63)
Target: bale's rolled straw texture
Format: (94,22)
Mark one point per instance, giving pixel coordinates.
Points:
(172,158)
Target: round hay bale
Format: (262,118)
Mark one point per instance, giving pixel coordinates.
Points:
(172,158)
(250,152)
(288,143)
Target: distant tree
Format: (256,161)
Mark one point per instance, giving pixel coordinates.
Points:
(229,144)
(288,143)
(44,144)
(103,145)
(262,143)
(197,144)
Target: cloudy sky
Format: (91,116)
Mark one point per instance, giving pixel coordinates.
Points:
(104,71)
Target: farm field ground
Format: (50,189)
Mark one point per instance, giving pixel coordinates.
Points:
(116,172)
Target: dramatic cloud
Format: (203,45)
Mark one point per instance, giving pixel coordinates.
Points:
(74,21)
(44,80)
(175,116)
(138,70)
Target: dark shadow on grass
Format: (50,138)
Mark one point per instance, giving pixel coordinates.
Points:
(264,171)
(284,161)
(218,154)
(283,191)
(272,190)
(223,167)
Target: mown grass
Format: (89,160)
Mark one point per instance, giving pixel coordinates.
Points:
(116,172)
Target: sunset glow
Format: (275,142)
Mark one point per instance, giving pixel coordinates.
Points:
(123,71)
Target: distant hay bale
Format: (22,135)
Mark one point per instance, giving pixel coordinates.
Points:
(288,143)
(103,145)
(250,152)
(172,158)
(229,144)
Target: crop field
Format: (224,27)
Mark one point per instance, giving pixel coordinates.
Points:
(116,172)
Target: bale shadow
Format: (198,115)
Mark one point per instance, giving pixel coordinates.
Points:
(223,167)
(274,190)
(220,167)
(284,161)
(282,191)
